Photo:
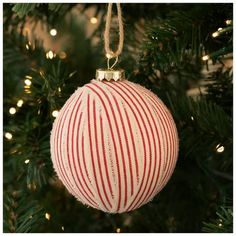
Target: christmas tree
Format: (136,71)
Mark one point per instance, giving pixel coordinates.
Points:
(181,52)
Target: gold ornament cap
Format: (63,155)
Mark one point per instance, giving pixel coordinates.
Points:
(106,74)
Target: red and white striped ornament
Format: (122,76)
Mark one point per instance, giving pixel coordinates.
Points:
(114,145)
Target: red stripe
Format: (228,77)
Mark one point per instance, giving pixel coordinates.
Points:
(171,138)
(149,145)
(112,134)
(149,193)
(78,127)
(174,156)
(62,166)
(84,193)
(127,145)
(134,148)
(62,128)
(56,141)
(120,143)
(139,112)
(92,149)
(104,157)
(170,166)
(126,142)
(97,153)
(54,137)
(164,124)
(130,129)
(160,110)
(134,113)
(137,92)
(58,146)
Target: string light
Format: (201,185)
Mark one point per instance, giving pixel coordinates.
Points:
(20,103)
(41,72)
(93,20)
(228,22)
(219,29)
(27,89)
(220,224)
(27,161)
(8,135)
(59,89)
(220,148)
(50,55)
(72,73)
(55,113)
(62,228)
(62,55)
(53,32)
(28,82)
(205,58)
(118,230)
(215,34)
(12,110)
(192,118)
(27,46)
(47,216)
(32,186)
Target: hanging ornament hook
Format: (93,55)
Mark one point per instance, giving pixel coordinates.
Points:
(110,73)
(115,62)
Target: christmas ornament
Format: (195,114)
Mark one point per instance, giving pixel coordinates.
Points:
(114,144)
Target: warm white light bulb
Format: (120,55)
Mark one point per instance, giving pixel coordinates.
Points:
(205,58)
(8,135)
(53,32)
(28,82)
(220,148)
(228,22)
(219,29)
(93,20)
(47,216)
(55,113)
(12,110)
(27,161)
(20,103)
(215,34)
(62,55)
(50,54)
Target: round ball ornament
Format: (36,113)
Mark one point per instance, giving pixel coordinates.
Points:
(114,144)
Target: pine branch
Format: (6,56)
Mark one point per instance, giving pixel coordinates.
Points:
(39,10)
(220,89)
(21,213)
(22,9)
(222,224)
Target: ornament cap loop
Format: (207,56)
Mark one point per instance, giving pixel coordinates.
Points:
(105,74)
